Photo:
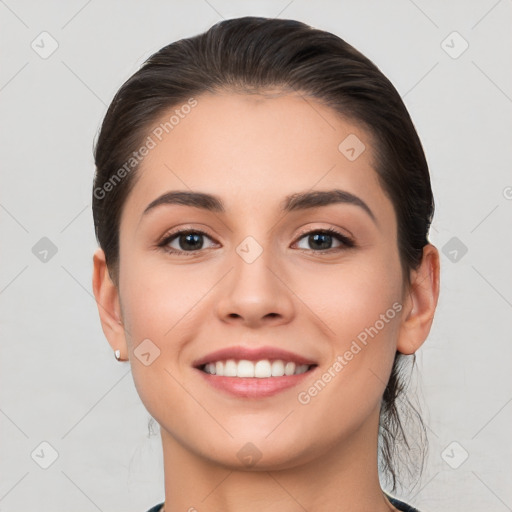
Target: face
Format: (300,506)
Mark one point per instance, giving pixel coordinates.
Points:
(263,281)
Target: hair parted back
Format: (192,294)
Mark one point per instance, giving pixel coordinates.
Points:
(254,55)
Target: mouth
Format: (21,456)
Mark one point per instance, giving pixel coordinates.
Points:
(254,373)
(262,369)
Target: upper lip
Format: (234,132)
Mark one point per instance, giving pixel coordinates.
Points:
(252,354)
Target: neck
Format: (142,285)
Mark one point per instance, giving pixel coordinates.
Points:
(343,479)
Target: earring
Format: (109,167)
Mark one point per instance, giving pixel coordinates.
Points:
(117,353)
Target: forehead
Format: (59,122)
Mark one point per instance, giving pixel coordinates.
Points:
(256,149)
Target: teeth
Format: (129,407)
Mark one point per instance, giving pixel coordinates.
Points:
(303,368)
(260,369)
(230,368)
(289,369)
(244,369)
(263,369)
(277,368)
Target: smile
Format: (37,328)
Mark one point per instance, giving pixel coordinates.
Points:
(261,369)
(249,372)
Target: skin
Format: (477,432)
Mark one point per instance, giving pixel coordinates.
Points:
(252,151)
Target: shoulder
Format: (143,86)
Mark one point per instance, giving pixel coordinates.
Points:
(156,508)
(400,505)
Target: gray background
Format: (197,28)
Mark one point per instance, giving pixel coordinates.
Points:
(60,382)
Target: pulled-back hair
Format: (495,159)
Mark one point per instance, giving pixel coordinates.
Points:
(254,55)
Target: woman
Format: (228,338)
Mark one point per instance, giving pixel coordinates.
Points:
(262,205)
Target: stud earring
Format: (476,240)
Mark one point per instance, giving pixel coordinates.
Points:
(117,353)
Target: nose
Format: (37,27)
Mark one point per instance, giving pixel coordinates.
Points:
(255,293)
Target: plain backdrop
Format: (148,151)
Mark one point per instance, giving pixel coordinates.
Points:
(65,403)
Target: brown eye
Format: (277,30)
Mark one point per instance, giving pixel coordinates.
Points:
(184,241)
(322,240)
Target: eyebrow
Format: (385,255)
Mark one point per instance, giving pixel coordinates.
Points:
(293,202)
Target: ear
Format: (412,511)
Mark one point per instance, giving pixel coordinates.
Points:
(420,302)
(109,309)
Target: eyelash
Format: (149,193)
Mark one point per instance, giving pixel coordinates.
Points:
(345,240)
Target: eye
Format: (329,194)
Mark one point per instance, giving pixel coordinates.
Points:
(322,239)
(185,241)
(188,242)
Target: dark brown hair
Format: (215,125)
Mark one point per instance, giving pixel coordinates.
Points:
(255,54)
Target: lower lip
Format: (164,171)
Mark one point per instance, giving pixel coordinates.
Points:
(254,387)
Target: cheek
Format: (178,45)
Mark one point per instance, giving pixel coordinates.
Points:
(359,305)
(352,296)
(361,308)
(158,298)
(158,305)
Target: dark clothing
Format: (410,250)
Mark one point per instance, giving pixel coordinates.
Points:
(400,505)
(156,508)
